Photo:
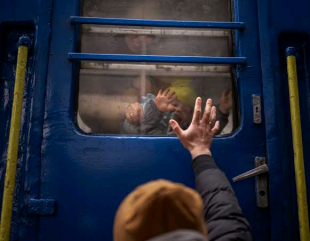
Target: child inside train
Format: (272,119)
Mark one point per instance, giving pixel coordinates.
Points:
(176,103)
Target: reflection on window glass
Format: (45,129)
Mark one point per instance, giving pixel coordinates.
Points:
(141,98)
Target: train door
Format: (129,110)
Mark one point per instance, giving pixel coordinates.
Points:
(92,158)
(283,25)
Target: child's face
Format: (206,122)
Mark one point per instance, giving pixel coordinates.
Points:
(135,42)
(182,114)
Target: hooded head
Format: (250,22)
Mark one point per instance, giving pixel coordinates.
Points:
(139,44)
(184,91)
(156,208)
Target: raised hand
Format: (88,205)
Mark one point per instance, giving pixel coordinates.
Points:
(198,137)
(226,101)
(164,99)
(133,113)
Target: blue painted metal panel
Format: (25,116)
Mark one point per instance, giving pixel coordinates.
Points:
(10,35)
(41,206)
(7,10)
(156,58)
(157,23)
(274,20)
(19,14)
(89,175)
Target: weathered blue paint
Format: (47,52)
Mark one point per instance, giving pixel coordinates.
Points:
(156,58)
(157,23)
(41,206)
(11,34)
(21,18)
(291,19)
(88,176)
(94,173)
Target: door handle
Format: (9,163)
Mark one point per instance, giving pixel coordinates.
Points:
(252,173)
(261,180)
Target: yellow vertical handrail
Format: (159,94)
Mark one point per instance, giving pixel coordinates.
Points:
(297,145)
(9,182)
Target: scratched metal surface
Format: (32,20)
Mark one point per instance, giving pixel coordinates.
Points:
(31,18)
(8,63)
(283,24)
(88,176)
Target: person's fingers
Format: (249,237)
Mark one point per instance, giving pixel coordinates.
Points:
(139,111)
(213,115)
(130,118)
(160,92)
(216,128)
(176,128)
(136,108)
(212,118)
(127,111)
(166,92)
(206,114)
(173,99)
(127,115)
(135,118)
(131,114)
(171,107)
(225,92)
(171,94)
(197,111)
(136,113)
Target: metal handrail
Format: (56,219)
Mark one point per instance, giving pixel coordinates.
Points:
(297,145)
(10,174)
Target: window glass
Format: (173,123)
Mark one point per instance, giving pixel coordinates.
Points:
(122,98)
(155,41)
(187,10)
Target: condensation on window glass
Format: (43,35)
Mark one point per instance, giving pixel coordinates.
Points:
(125,98)
(186,10)
(155,41)
(120,98)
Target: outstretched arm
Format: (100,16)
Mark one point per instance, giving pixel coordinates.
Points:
(223,215)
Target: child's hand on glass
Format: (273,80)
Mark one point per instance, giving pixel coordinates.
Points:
(133,113)
(164,99)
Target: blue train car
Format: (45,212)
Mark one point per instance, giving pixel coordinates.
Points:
(90,61)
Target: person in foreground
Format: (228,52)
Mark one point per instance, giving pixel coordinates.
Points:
(162,210)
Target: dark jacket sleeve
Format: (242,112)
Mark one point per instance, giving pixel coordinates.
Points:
(222,213)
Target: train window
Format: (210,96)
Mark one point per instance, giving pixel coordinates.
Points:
(121,98)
